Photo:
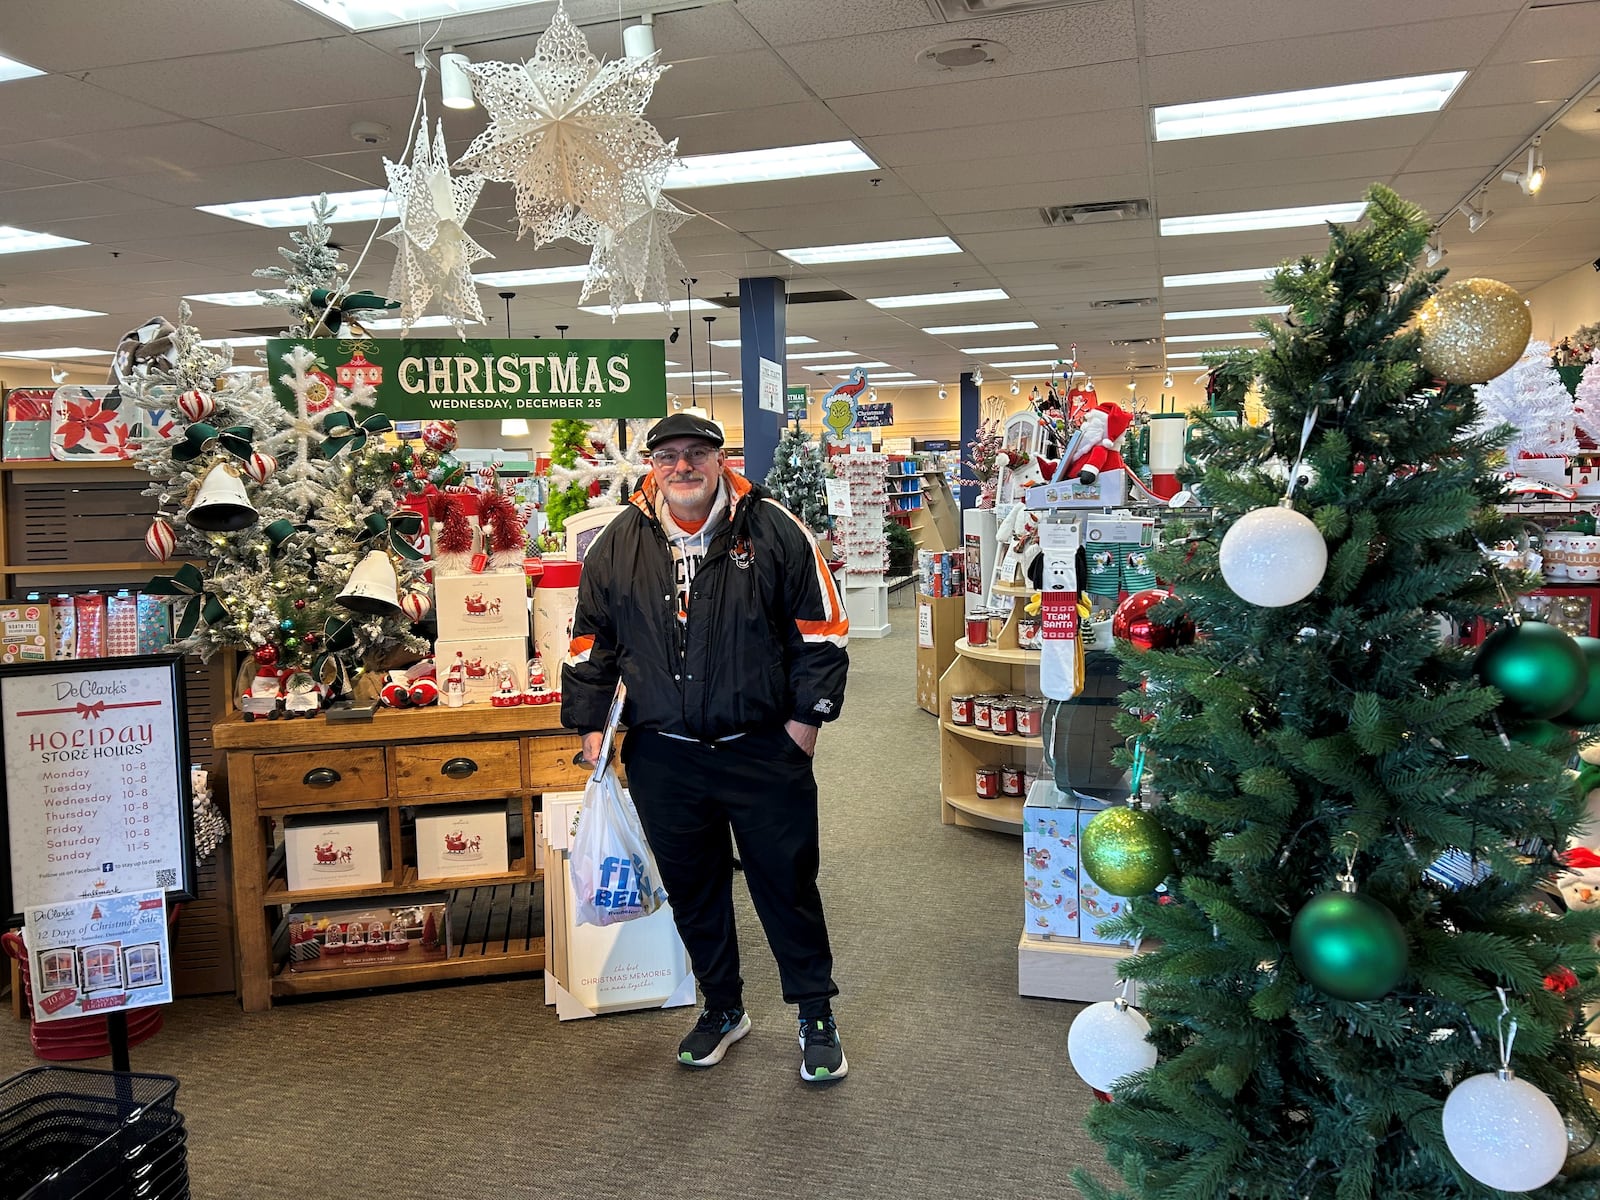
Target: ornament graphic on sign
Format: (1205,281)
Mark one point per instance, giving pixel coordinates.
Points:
(839,406)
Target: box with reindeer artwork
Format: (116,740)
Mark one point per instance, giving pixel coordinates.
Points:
(456,840)
(332,852)
(474,607)
(371,934)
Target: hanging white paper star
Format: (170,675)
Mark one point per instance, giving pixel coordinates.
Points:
(435,254)
(568,132)
(638,258)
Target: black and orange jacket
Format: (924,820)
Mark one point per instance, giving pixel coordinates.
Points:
(766,632)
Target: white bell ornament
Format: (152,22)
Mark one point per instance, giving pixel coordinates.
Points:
(373,589)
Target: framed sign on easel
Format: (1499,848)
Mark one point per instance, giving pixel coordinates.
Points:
(95,767)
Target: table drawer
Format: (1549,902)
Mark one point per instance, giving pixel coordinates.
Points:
(335,776)
(456,768)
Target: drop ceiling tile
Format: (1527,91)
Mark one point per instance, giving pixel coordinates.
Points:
(1549,31)
(1041,194)
(741,128)
(183,149)
(245,181)
(1060,137)
(14,176)
(1354,137)
(725,83)
(1487,122)
(783,22)
(53,106)
(999,174)
(1177,26)
(1527,82)
(1375,164)
(325,128)
(44,208)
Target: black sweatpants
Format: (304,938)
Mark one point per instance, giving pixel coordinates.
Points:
(688,795)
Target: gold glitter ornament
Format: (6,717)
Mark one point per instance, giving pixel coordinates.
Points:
(1474,330)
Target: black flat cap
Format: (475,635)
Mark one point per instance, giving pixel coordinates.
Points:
(682,424)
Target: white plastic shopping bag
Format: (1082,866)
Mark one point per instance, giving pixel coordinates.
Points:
(613,872)
(614,875)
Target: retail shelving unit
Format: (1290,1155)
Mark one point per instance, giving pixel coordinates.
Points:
(1001,667)
(402,759)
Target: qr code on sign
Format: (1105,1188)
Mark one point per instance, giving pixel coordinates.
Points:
(167,877)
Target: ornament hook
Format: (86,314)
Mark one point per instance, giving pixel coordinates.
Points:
(1507,1034)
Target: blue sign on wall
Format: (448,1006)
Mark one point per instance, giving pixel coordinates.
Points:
(874,415)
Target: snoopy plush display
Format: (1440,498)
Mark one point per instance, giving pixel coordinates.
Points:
(1103,426)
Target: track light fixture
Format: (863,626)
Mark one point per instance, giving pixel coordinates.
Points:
(455,88)
(639,41)
(1133,384)
(674,336)
(1016,388)
(1167,382)
(943,395)
(872,395)
(1531,178)
(977,378)
(1435,251)
(1477,217)
(58,373)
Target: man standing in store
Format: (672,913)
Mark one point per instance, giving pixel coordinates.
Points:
(712,603)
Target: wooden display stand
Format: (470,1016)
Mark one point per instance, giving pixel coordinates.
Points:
(1067,969)
(940,621)
(1000,667)
(936,525)
(400,759)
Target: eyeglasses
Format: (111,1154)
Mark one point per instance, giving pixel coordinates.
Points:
(696,456)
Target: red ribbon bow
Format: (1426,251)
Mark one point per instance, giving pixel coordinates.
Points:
(96,709)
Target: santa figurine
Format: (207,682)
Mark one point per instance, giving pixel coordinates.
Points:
(506,692)
(1096,446)
(538,685)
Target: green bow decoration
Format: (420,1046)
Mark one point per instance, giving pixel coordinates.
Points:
(235,439)
(333,305)
(188,582)
(400,526)
(338,635)
(279,532)
(340,429)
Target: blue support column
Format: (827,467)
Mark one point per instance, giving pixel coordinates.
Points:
(970,404)
(761,335)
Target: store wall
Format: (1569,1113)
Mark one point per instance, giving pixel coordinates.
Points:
(1565,303)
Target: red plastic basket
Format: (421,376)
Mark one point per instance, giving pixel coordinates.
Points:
(75,1038)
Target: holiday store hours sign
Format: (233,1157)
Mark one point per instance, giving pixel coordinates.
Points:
(96,781)
(482,379)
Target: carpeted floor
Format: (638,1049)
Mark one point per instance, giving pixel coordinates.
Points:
(957,1088)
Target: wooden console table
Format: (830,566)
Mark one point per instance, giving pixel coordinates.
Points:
(401,759)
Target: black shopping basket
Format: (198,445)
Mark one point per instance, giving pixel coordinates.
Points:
(68,1133)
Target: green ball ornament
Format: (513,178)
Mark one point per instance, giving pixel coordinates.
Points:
(1542,735)
(1540,671)
(1126,851)
(1587,710)
(1349,945)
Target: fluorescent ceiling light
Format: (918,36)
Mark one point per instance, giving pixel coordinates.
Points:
(927,299)
(1252,275)
(1314,106)
(1199,368)
(237,370)
(1197,314)
(1216,337)
(1189,354)
(237,343)
(383,14)
(695,374)
(533,276)
(1010,349)
(871,251)
(239,299)
(1034,375)
(20,241)
(1263,218)
(1027,362)
(843,366)
(396,323)
(514,427)
(57,352)
(774,162)
(10,68)
(992,327)
(44,312)
(885,375)
(806,355)
(794,339)
(634,310)
(905,382)
(367,205)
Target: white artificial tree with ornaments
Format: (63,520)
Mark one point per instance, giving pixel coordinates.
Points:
(1531,398)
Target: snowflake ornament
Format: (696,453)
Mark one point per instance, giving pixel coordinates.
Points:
(435,253)
(568,132)
(638,258)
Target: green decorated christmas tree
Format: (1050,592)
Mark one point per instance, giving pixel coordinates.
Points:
(796,479)
(569,438)
(1357,835)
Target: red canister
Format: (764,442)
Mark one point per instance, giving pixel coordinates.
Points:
(982,711)
(1002,717)
(988,782)
(978,631)
(1029,718)
(961,709)
(1010,780)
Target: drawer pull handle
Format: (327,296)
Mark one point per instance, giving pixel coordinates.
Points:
(321,777)
(458,768)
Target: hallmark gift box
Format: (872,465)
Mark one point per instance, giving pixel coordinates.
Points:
(1050,871)
(339,852)
(24,632)
(323,937)
(455,840)
(481,656)
(472,607)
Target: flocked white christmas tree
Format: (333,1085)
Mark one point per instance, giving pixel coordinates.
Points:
(1531,398)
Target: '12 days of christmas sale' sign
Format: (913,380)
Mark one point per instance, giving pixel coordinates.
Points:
(96,780)
(100,955)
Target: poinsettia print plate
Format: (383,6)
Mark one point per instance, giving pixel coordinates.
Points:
(88,423)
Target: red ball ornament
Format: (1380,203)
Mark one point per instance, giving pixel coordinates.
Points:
(299,605)
(266,655)
(310,640)
(1133,623)
(196,405)
(260,467)
(439,435)
(416,605)
(160,540)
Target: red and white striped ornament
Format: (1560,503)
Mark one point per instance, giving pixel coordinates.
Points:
(196,405)
(260,466)
(161,541)
(416,605)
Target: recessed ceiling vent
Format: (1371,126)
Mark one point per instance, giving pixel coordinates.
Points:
(1094,214)
(1155,341)
(963,54)
(1127,302)
(966,10)
(821,296)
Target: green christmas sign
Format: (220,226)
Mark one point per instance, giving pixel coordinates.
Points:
(483,379)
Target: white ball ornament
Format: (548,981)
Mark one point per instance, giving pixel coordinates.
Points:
(1273,557)
(1106,1043)
(1504,1132)
(196,405)
(160,539)
(416,605)
(261,466)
